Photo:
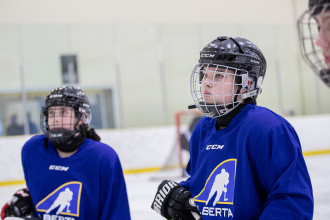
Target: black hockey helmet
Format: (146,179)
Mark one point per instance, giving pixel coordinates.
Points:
(68,96)
(308,32)
(316,6)
(239,55)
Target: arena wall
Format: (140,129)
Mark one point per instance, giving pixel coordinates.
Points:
(147,149)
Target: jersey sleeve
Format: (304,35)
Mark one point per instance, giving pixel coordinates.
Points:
(186,183)
(26,156)
(24,164)
(193,151)
(283,174)
(113,200)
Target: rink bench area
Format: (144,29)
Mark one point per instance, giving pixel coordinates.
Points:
(147,149)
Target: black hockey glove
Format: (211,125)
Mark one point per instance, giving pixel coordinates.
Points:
(20,205)
(173,201)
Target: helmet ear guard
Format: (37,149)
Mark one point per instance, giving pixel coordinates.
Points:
(85,116)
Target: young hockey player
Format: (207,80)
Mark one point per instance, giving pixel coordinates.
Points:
(69,173)
(245,161)
(314,36)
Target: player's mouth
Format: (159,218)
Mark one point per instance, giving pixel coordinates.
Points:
(207,94)
(56,128)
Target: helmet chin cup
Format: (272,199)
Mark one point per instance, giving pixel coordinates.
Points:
(213,111)
(66,140)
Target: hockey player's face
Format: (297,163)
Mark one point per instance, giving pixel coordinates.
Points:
(323,40)
(218,85)
(61,117)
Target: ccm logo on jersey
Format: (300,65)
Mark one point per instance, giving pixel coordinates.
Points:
(214,147)
(58,168)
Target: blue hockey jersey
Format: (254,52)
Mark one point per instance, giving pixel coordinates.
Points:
(87,185)
(252,169)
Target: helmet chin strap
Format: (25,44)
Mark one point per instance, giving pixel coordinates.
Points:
(239,90)
(224,121)
(251,93)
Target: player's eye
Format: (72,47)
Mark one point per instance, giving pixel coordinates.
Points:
(67,112)
(218,75)
(50,113)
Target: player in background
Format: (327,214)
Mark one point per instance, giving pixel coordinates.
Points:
(69,173)
(245,161)
(314,36)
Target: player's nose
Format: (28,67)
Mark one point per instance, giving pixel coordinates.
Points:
(208,81)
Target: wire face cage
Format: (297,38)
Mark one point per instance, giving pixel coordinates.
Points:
(216,89)
(308,31)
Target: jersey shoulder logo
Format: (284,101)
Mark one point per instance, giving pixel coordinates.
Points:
(219,187)
(65,200)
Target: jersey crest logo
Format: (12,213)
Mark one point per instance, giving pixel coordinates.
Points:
(219,187)
(65,200)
